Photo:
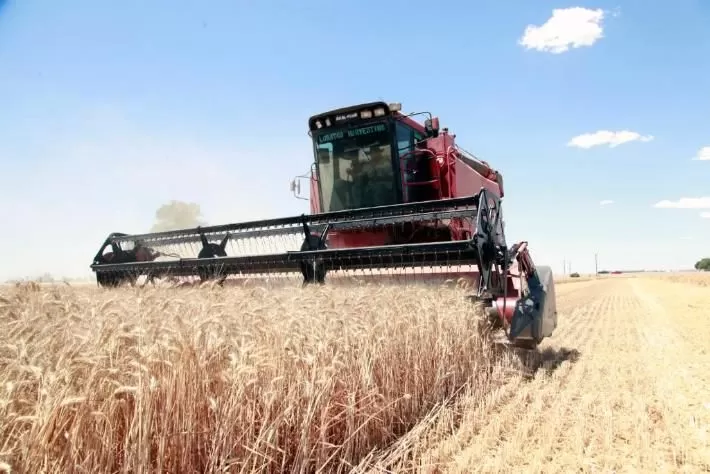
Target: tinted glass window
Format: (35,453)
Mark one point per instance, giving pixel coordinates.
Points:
(355,167)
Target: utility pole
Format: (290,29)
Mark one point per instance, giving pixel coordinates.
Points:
(596,265)
(564,266)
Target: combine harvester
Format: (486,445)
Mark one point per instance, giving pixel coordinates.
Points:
(391,199)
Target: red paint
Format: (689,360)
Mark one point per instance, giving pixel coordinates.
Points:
(358,238)
(454,176)
(506,307)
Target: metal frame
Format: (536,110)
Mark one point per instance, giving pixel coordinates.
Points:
(316,256)
(389,214)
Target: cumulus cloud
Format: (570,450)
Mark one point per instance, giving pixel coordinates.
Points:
(606,137)
(606,202)
(703,154)
(685,203)
(567,27)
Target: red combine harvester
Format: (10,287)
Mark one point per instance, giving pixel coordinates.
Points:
(391,199)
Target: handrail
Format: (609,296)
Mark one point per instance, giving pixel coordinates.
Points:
(405,161)
(448,161)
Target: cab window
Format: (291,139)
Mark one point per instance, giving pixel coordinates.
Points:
(405,139)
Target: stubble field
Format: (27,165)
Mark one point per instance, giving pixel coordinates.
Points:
(360,380)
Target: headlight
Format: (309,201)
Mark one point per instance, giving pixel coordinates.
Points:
(379,112)
(366,114)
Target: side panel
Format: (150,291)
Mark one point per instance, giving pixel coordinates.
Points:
(364,238)
(469,182)
(465,180)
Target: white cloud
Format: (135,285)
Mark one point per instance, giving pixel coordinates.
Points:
(705,215)
(606,202)
(703,154)
(606,137)
(685,203)
(567,27)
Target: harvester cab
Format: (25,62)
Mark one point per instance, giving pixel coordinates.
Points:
(391,199)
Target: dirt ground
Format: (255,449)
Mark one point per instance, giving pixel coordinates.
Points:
(627,390)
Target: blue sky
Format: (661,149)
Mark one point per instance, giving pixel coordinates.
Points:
(110,109)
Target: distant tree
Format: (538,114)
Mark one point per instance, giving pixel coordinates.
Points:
(703,265)
(45,278)
(177,215)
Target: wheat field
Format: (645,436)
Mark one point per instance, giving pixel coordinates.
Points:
(363,379)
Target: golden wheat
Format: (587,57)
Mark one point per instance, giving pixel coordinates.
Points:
(367,379)
(231,379)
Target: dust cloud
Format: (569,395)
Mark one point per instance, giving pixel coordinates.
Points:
(177,215)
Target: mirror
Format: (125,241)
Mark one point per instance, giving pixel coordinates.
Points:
(295,187)
(432,127)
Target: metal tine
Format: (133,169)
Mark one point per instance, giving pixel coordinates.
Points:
(292,225)
(249,250)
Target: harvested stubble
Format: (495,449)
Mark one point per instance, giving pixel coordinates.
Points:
(234,379)
(692,278)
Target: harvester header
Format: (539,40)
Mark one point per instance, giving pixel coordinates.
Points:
(391,199)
